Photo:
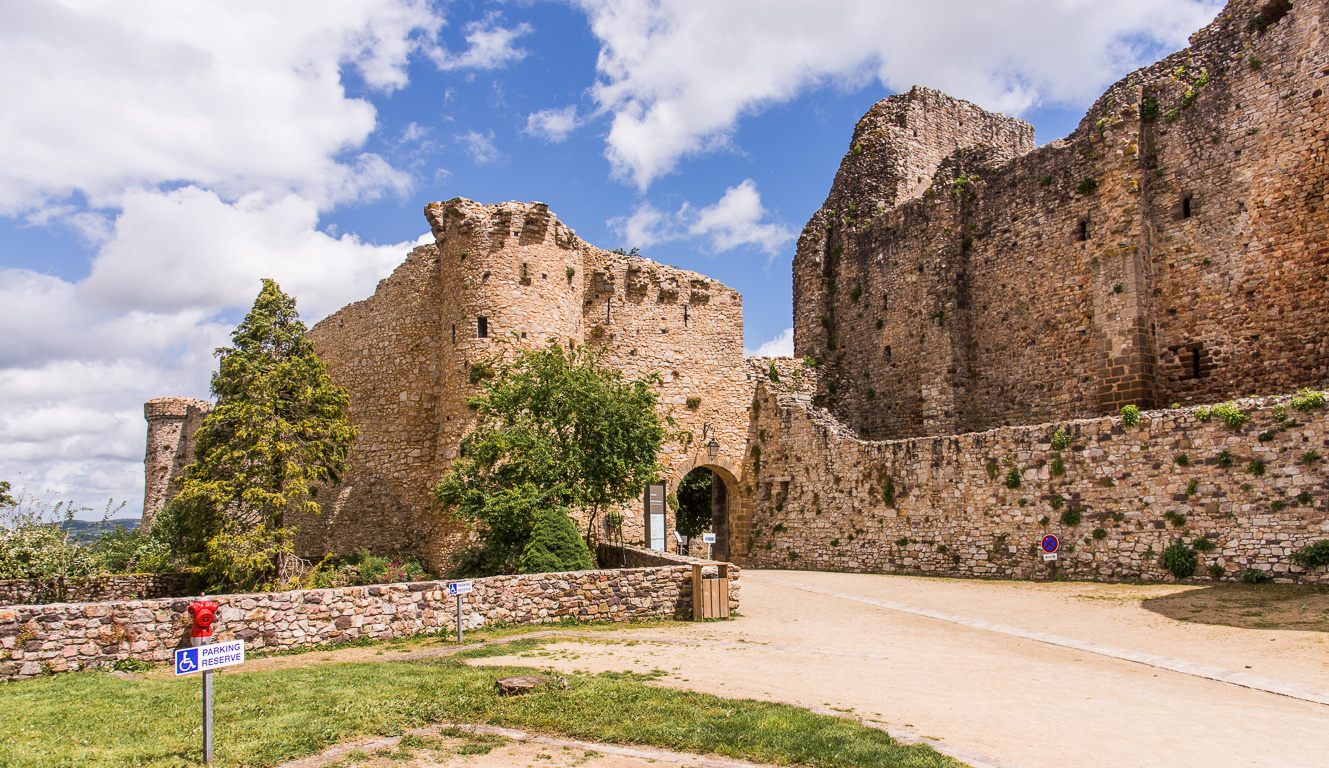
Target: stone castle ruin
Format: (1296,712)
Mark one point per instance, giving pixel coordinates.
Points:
(957,281)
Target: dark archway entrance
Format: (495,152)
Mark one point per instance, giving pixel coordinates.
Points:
(710,491)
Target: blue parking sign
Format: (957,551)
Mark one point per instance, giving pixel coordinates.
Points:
(186,660)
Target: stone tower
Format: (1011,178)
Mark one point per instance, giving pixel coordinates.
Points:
(172,422)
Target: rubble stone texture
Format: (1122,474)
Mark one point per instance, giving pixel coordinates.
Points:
(172,422)
(36,640)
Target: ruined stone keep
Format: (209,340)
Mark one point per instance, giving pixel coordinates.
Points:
(960,299)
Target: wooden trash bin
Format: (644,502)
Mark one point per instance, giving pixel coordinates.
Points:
(710,597)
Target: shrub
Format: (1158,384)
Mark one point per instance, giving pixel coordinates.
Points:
(1013,480)
(1256,467)
(1304,498)
(1177,519)
(1087,186)
(1216,571)
(1203,544)
(888,492)
(1044,521)
(570,272)
(1130,415)
(855,292)
(1204,412)
(1254,576)
(1149,109)
(481,371)
(1057,502)
(1230,414)
(1192,486)
(1279,412)
(1183,460)
(1224,459)
(1307,400)
(1046,181)
(1071,517)
(1312,556)
(1099,533)
(991,469)
(1265,437)
(1180,560)
(1058,467)
(694,403)
(902,542)
(1310,457)
(1060,440)
(1254,63)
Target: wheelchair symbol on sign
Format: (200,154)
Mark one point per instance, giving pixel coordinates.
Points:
(186,663)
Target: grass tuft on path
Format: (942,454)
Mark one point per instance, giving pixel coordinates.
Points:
(265,718)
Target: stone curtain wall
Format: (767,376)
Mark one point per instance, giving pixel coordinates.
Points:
(85,590)
(36,640)
(1181,223)
(821,497)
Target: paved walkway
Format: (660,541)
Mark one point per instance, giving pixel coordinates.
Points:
(1000,673)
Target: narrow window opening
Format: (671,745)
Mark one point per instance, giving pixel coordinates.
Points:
(888,351)
(1186,207)
(608,303)
(685,315)
(1082,234)
(454,334)
(482,327)
(1193,364)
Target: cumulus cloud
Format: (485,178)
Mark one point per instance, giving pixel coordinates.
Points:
(737,219)
(479,146)
(234,96)
(678,75)
(194,148)
(553,125)
(489,46)
(780,346)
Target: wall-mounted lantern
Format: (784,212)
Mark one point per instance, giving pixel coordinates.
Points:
(713,448)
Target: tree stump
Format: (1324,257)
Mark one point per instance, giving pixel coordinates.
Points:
(511,686)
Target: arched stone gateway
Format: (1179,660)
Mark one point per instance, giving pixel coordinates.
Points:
(731,507)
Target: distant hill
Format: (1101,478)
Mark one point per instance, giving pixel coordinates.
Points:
(86,531)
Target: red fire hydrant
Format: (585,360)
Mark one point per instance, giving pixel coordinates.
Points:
(203,613)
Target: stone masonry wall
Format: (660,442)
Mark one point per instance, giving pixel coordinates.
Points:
(138,586)
(945,505)
(412,354)
(635,557)
(172,422)
(1173,249)
(36,640)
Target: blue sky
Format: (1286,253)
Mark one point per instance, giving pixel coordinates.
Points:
(158,158)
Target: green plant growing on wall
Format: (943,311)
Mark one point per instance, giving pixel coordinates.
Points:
(1099,533)
(1307,400)
(1060,440)
(1216,571)
(1254,576)
(1310,458)
(1204,412)
(1256,467)
(1118,516)
(1013,480)
(1265,437)
(1046,181)
(1087,186)
(1230,414)
(1107,482)
(856,292)
(991,468)
(1180,560)
(1192,486)
(1045,521)
(888,492)
(1203,544)
(880,323)
(1148,109)
(870,392)
(1313,555)
(1278,505)
(1071,517)
(1057,501)
(1224,458)
(694,403)
(1254,63)
(1177,519)
(1279,412)
(771,373)
(1182,460)
(902,542)
(1130,415)
(1058,467)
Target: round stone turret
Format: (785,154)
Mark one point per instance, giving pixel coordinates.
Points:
(172,422)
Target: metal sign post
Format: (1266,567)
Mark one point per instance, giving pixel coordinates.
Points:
(457,589)
(204,657)
(708,539)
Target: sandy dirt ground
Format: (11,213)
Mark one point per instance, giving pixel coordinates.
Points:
(1021,702)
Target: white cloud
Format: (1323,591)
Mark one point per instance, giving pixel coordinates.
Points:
(194,147)
(480,146)
(735,220)
(234,96)
(678,75)
(780,346)
(553,124)
(489,46)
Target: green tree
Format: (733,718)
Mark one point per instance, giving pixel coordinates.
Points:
(555,545)
(553,430)
(5,499)
(693,516)
(279,431)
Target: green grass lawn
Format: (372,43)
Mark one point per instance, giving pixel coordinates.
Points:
(264,718)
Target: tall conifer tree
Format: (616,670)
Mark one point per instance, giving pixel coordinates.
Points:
(278,431)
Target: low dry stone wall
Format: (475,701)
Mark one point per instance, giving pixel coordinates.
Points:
(44,639)
(139,586)
(977,504)
(634,557)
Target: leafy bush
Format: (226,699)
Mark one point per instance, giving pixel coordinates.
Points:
(1304,498)
(1256,467)
(1071,517)
(555,545)
(1216,571)
(1044,521)
(1254,576)
(1310,457)
(1099,533)
(1265,437)
(1057,501)
(888,492)
(902,542)
(1013,480)
(1203,544)
(1087,186)
(855,292)
(1224,459)
(1058,467)
(35,539)
(124,551)
(1312,556)
(1177,519)
(1182,460)
(1204,413)
(1148,109)
(1130,415)
(1230,414)
(1060,440)
(1307,400)
(773,374)
(1192,486)
(1180,560)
